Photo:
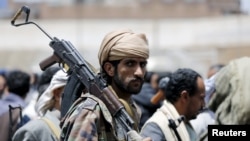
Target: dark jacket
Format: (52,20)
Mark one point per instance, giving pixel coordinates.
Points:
(143,101)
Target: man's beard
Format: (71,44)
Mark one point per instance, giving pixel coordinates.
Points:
(127,88)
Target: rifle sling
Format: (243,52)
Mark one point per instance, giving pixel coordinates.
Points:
(52,126)
(72,91)
(129,109)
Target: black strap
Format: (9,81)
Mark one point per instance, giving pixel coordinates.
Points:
(11,122)
(72,91)
(174,126)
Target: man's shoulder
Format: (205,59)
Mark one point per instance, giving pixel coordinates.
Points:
(84,104)
(87,101)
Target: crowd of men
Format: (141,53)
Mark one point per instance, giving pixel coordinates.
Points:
(31,110)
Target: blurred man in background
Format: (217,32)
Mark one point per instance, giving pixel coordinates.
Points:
(18,85)
(206,117)
(3,84)
(148,91)
(184,98)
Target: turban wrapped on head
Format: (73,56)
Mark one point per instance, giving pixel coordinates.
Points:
(58,80)
(121,44)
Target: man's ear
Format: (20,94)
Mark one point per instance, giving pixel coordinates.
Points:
(109,69)
(57,94)
(184,95)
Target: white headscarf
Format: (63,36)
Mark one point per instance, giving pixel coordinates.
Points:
(58,80)
(210,88)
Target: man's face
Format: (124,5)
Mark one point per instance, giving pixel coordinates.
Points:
(57,94)
(129,75)
(196,102)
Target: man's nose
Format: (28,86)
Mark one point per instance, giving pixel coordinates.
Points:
(139,71)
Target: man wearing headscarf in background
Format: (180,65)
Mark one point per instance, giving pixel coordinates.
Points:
(29,112)
(123,58)
(46,127)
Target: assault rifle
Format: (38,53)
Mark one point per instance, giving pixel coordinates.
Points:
(74,64)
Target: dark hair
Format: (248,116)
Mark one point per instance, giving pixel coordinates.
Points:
(104,73)
(181,79)
(162,75)
(3,75)
(18,82)
(148,76)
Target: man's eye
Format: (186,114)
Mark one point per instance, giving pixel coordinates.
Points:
(130,64)
(143,65)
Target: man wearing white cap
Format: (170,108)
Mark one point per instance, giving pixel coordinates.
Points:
(46,127)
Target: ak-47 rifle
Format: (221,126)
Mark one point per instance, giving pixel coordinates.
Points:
(71,60)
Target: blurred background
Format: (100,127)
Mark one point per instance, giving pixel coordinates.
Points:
(181,33)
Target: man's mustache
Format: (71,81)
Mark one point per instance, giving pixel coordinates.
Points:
(137,79)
